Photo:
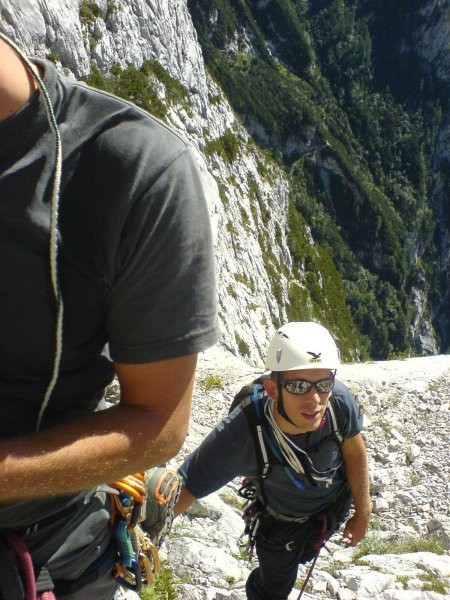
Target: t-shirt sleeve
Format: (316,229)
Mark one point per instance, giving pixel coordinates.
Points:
(350,414)
(162,303)
(228,451)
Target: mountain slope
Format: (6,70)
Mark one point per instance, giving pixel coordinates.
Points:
(322,84)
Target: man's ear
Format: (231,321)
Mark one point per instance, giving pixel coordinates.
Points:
(271,388)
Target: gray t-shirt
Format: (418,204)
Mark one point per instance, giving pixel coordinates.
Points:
(229,451)
(135,257)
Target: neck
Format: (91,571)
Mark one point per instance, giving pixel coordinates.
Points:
(17,84)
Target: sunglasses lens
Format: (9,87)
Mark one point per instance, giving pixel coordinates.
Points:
(297,386)
(300,386)
(325,385)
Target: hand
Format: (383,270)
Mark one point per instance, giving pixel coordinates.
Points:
(356,528)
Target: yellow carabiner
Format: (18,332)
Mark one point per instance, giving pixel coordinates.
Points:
(129,489)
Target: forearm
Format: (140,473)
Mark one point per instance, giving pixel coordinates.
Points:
(98,448)
(185,501)
(357,473)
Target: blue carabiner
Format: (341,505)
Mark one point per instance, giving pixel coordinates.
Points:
(133,571)
(123,542)
(135,514)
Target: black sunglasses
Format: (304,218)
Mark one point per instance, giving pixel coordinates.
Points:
(301,386)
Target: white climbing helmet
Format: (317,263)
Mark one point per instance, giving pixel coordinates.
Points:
(302,345)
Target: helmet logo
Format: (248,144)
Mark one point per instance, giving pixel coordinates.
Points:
(315,357)
(279,353)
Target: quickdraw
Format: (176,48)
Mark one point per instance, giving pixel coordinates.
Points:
(137,557)
(251,514)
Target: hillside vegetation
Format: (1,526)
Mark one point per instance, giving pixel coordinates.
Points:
(330,91)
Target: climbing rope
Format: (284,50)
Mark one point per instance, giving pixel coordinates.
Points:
(137,557)
(23,555)
(318,545)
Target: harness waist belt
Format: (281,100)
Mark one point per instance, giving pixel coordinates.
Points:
(285,518)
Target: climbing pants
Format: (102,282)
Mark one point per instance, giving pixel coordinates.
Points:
(281,547)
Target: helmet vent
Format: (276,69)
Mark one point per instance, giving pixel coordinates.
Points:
(279,353)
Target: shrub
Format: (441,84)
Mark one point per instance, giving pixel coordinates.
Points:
(211,382)
(227,146)
(90,11)
(231,291)
(222,193)
(53,57)
(137,86)
(231,228)
(243,279)
(433,583)
(243,347)
(163,588)
(175,90)
(131,84)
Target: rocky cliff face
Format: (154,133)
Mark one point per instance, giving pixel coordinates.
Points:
(430,38)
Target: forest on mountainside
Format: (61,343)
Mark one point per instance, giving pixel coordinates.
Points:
(335,92)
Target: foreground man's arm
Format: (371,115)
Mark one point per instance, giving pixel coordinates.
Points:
(355,459)
(147,428)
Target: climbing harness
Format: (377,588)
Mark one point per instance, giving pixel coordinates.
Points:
(254,511)
(137,557)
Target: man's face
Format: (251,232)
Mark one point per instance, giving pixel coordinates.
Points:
(306,411)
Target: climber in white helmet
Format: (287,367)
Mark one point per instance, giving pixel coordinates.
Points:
(295,436)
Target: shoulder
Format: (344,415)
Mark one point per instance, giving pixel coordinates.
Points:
(120,129)
(343,400)
(232,434)
(342,394)
(240,415)
(346,407)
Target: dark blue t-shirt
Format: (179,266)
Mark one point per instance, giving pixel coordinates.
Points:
(229,451)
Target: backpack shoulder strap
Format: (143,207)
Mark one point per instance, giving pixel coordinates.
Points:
(252,409)
(244,392)
(333,412)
